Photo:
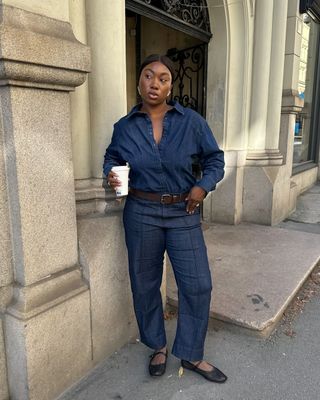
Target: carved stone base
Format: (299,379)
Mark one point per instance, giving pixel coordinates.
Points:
(264,157)
(48,344)
(266,194)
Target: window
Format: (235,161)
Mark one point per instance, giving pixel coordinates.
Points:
(306,131)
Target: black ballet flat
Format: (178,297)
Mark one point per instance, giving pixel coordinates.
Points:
(214,376)
(158,369)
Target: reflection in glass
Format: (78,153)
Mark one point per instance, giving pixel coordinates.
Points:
(308,56)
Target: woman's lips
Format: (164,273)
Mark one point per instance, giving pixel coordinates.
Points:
(153,95)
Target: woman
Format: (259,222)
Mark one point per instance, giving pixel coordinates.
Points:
(161,140)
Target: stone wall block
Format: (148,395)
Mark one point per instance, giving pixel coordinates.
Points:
(223,199)
(104,258)
(257,196)
(225,203)
(50,351)
(40,181)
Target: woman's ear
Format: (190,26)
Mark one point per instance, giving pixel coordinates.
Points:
(138,88)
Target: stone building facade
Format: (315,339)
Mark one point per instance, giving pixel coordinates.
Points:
(68,72)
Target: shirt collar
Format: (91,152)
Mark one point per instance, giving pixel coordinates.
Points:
(175,106)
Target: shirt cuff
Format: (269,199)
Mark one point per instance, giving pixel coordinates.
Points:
(206,184)
(107,169)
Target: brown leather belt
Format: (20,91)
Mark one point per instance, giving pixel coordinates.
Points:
(165,198)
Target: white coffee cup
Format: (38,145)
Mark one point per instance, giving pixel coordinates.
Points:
(123,176)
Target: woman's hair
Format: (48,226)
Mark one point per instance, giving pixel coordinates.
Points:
(163,59)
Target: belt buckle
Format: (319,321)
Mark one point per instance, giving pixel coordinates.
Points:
(166,198)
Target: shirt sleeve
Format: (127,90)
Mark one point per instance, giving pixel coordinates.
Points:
(112,155)
(211,160)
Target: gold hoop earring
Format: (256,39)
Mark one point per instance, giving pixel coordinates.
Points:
(169,93)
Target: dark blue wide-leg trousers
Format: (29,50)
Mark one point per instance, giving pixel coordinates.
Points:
(151,229)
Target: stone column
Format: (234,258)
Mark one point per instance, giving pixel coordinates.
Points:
(106,37)
(266,186)
(291,102)
(263,57)
(80,118)
(47,324)
(276,75)
(229,78)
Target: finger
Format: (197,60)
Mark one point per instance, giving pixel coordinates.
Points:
(192,206)
(113,182)
(112,174)
(115,185)
(189,204)
(191,209)
(113,177)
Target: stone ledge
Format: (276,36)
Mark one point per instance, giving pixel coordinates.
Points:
(40,49)
(32,300)
(92,197)
(30,75)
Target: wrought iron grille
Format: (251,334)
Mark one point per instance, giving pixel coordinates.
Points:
(192,12)
(189,16)
(189,86)
(190,80)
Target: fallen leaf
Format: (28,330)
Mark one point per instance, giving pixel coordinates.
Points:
(289,332)
(180,372)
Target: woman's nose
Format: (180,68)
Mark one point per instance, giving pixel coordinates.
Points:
(155,84)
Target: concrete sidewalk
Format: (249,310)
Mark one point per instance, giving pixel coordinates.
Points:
(279,368)
(256,271)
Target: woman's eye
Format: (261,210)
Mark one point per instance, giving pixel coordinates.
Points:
(148,76)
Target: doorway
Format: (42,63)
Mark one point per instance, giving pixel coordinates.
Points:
(145,36)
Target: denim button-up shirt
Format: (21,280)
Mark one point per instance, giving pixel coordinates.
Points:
(166,167)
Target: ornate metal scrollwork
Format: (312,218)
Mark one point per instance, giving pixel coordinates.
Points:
(193,12)
(189,82)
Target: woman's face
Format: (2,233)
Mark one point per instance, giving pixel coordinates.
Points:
(155,83)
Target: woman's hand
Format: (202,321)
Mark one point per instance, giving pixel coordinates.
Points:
(195,197)
(113,180)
